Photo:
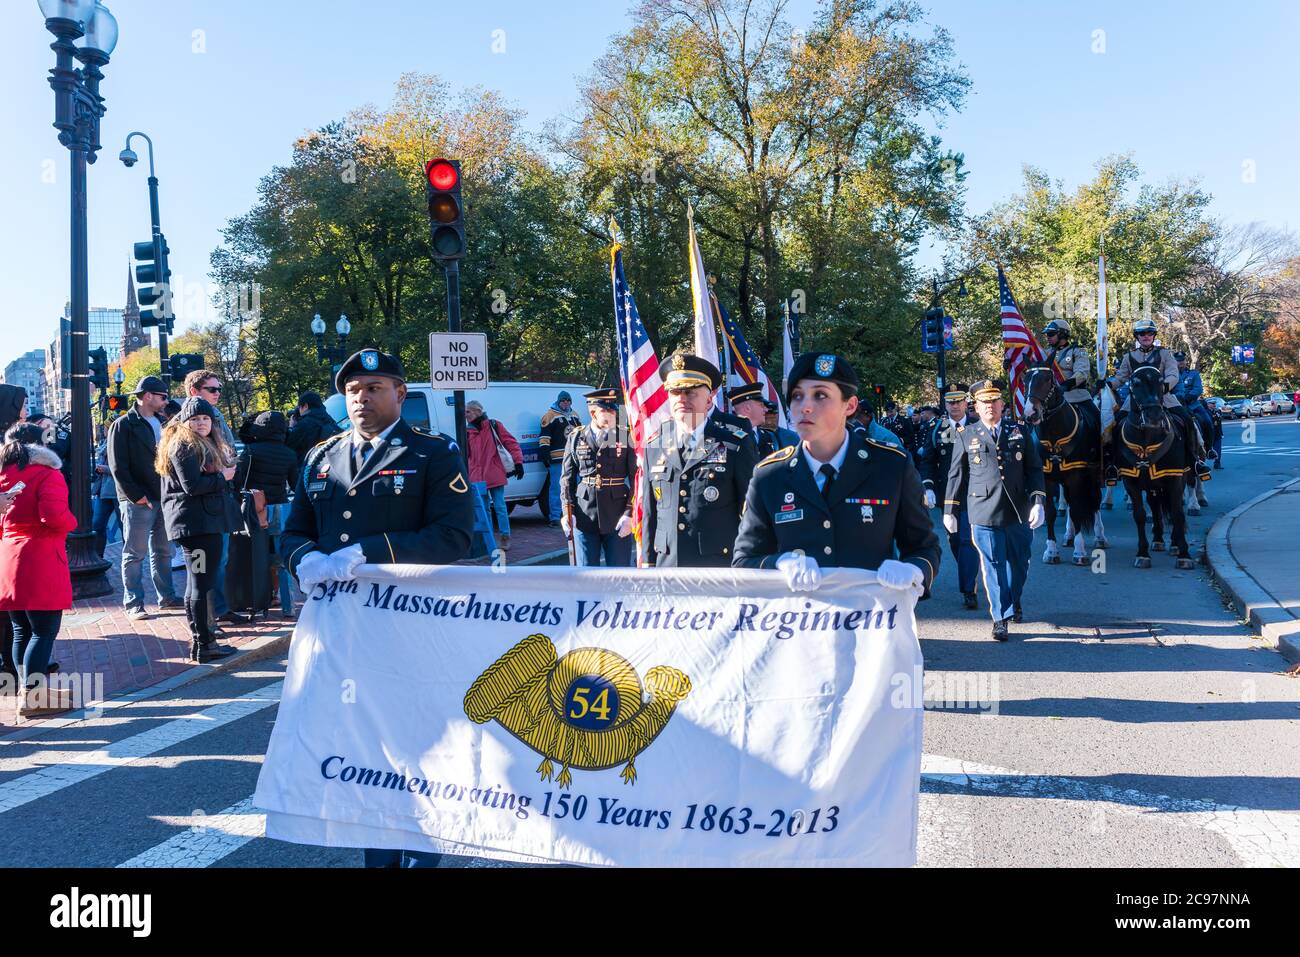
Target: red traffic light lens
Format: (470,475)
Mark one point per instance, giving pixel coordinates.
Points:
(442,175)
(443,209)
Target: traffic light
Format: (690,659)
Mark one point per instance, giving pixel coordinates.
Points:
(446,211)
(183,363)
(116,405)
(99,369)
(155,298)
(932,330)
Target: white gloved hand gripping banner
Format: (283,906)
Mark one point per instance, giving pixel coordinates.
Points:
(651,717)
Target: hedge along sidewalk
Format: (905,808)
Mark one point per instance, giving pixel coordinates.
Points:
(1252,553)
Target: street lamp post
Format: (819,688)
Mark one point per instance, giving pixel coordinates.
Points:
(86,31)
(334,355)
(129,159)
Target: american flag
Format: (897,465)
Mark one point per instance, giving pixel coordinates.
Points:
(1021,348)
(638,368)
(744,361)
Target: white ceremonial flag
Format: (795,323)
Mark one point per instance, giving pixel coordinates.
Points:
(652,717)
(706,335)
(1103,341)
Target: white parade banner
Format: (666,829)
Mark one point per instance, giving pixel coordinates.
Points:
(640,717)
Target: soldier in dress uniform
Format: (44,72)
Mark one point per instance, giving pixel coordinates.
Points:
(936,459)
(557,422)
(839,498)
(995,473)
(383,493)
(747,402)
(596,486)
(696,474)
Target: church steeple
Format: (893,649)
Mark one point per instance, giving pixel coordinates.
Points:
(133,336)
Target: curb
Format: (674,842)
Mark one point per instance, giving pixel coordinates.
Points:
(1277,626)
(265,646)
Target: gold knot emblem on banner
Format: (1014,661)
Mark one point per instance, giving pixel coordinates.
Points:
(586,710)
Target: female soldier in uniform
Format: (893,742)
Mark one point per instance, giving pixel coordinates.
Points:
(838,498)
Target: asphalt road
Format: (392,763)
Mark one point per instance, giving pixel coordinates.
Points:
(1131,721)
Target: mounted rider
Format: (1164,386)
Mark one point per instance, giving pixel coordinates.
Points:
(1072,364)
(1147,353)
(1191,391)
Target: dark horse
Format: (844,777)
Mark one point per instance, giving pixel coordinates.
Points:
(1151,457)
(1070,439)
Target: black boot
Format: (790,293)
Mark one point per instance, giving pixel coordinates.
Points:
(203,648)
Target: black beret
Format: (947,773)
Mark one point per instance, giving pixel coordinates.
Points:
(743,393)
(369,362)
(609,399)
(825,366)
(685,371)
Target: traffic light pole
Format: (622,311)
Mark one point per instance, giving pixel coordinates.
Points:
(452,269)
(164,274)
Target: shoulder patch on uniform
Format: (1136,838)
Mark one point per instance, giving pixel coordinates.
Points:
(886,445)
(738,431)
(780,455)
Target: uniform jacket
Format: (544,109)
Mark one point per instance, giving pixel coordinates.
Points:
(1162,359)
(484,464)
(1075,368)
(312,429)
(874,506)
(556,426)
(597,479)
(936,453)
(266,462)
(693,503)
(994,483)
(900,426)
(195,502)
(131,448)
(33,537)
(770,440)
(409,505)
(1190,387)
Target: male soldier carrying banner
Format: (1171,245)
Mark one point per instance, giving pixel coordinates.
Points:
(384,493)
(696,475)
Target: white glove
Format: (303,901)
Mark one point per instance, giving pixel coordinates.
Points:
(929,498)
(344,564)
(313,569)
(566,526)
(950,523)
(801,572)
(1036,516)
(900,575)
(624,526)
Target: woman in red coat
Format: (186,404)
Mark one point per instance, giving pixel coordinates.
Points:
(35,586)
(484,436)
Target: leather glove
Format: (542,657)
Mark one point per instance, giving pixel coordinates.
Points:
(900,575)
(344,564)
(519,470)
(929,498)
(950,523)
(624,526)
(566,526)
(313,569)
(801,572)
(1036,516)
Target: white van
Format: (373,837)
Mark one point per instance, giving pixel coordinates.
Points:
(516,405)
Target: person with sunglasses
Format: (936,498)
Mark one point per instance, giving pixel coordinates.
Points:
(132,444)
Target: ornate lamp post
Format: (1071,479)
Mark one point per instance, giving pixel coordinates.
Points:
(334,355)
(83,30)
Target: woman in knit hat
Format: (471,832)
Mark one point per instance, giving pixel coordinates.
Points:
(199,508)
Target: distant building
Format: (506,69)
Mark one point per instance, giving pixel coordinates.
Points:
(28,372)
(133,334)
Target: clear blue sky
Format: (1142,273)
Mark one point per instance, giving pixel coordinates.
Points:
(1191,88)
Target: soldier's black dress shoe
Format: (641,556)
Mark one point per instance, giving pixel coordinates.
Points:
(1000,630)
(968,599)
(1019,615)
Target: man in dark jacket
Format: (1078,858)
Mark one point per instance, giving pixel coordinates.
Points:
(269,466)
(314,425)
(132,441)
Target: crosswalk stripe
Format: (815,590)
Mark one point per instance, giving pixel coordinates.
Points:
(1260,838)
(207,838)
(83,766)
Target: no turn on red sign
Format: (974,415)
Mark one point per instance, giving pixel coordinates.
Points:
(458,360)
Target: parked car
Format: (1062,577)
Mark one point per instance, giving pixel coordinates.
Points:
(1242,407)
(1266,404)
(517,405)
(1283,402)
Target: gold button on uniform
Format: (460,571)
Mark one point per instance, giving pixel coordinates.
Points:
(352,491)
(681,528)
(349,515)
(681,508)
(826,524)
(827,549)
(343,537)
